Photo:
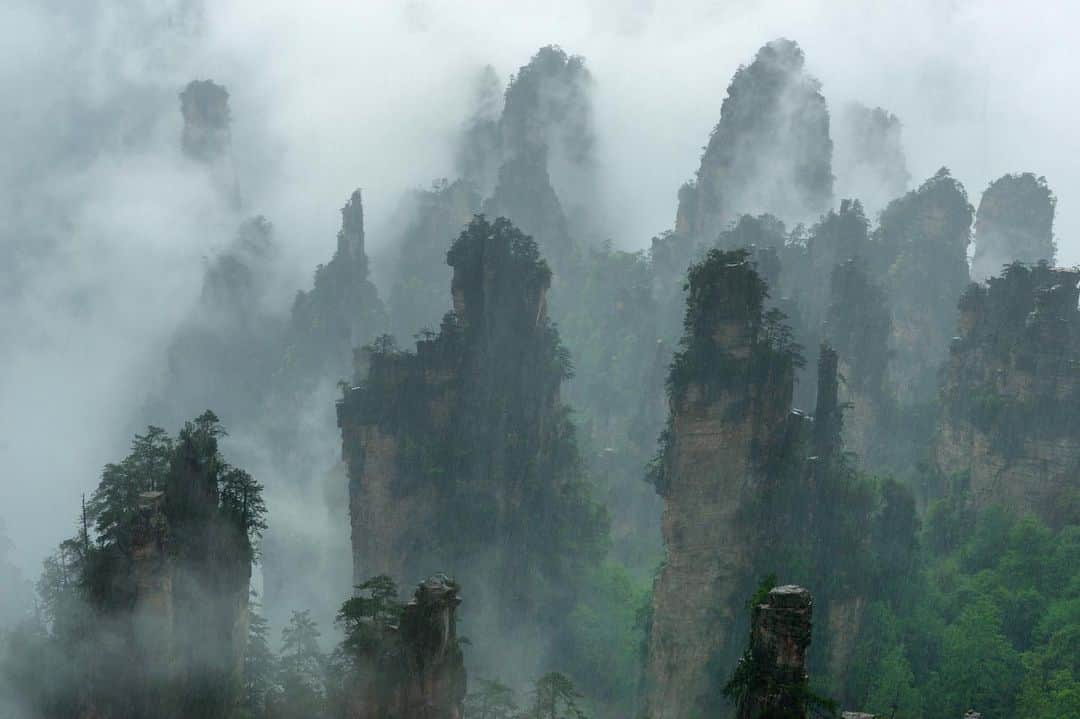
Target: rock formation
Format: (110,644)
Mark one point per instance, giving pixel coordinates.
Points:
(416,668)
(418,298)
(770,152)
(870,162)
(480,147)
(525,195)
(1011,391)
(340,312)
(169,578)
(210,559)
(461,454)
(858,326)
(750,485)
(730,390)
(1014,223)
(548,113)
(779,637)
(227,349)
(205,107)
(920,254)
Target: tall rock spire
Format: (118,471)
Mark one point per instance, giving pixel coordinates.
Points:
(771,151)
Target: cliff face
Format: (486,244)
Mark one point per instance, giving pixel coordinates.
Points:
(1011,390)
(1014,223)
(730,393)
(461,454)
(770,152)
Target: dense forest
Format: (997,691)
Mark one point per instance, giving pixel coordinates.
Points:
(814,452)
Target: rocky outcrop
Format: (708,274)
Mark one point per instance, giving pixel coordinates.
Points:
(920,256)
(1014,223)
(210,556)
(1011,391)
(340,312)
(205,107)
(548,112)
(770,152)
(461,455)
(414,669)
(525,195)
(859,326)
(730,391)
(479,147)
(227,349)
(178,592)
(779,637)
(418,297)
(750,485)
(433,662)
(870,162)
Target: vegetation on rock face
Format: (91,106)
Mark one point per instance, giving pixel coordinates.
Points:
(509,446)
(725,288)
(486,449)
(1011,388)
(770,679)
(147,599)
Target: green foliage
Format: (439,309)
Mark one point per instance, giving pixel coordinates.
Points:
(478,417)
(605,632)
(366,617)
(991,621)
(756,676)
(554,696)
(172,519)
(260,667)
(725,289)
(302,670)
(113,505)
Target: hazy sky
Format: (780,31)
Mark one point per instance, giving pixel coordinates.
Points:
(103,226)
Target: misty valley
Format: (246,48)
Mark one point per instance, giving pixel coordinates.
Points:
(812,452)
